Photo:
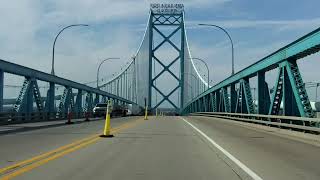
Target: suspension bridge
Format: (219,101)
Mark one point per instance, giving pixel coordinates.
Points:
(217,132)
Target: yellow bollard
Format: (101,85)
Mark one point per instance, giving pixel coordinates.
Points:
(146,113)
(106,131)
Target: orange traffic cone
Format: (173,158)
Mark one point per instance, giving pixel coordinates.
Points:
(69,118)
(86,116)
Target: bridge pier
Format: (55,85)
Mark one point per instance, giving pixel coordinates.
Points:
(217,99)
(50,101)
(104,99)
(290,90)
(28,102)
(263,94)
(78,104)
(233,97)
(289,105)
(96,99)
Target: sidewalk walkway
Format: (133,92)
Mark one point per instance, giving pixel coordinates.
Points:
(4,129)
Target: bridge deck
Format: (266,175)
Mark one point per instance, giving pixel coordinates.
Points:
(160,148)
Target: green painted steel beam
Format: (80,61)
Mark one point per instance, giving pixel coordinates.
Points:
(302,47)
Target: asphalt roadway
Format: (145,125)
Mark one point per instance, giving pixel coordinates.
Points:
(158,148)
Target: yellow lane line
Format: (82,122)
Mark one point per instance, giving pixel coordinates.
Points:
(44,161)
(22,163)
(125,126)
(59,152)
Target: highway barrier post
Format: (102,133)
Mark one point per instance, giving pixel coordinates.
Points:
(146,113)
(106,131)
(69,117)
(86,114)
(145,109)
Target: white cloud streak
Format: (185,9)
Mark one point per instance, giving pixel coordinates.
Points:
(278,24)
(28,27)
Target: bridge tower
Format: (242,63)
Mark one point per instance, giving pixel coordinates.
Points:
(166,15)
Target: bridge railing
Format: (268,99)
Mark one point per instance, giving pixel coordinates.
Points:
(290,122)
(30,103)
(18,118)
(234,93)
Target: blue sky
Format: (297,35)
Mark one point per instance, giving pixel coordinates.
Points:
(258,28)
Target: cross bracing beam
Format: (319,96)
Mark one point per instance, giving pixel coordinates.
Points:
(166,68)
(164,19)
(165,97)
(302,47)
(167,38)
(156,21)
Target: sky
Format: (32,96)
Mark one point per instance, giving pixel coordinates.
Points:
(28,28)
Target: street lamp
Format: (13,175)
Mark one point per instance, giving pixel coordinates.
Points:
(212,25)
(54,43)
(99,69)
(208,78)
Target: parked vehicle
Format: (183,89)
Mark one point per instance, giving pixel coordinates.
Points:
(118,110)
(100,109)
(134,110)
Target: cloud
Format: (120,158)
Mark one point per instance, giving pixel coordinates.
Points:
(278,24)
(29,27)
(191,3)
(93,11)
(116,27)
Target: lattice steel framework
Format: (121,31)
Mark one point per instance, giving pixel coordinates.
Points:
(174,20)
(289,89)
(30,101)
(142,84)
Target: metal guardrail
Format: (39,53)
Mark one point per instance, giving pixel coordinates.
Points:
(23,109)
(298,49)
(18,118)
(17,69)
(285,61)
(290,122)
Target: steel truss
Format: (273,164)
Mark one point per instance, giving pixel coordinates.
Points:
(156,21)
(30,94)
(289,88)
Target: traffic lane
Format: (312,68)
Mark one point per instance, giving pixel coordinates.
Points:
(160,148)
(16,147)
(270,156)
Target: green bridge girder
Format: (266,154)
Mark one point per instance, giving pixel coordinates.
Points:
(289,87)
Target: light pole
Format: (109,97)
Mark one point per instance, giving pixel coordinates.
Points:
(225,31)
(208,78)
(99,69)
(317,85)
(54,43)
